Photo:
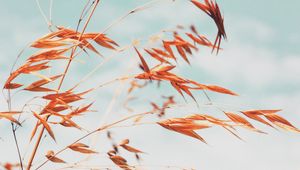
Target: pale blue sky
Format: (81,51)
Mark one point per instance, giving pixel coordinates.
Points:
(260,61)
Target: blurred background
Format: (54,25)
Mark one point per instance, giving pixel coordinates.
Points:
(260,61)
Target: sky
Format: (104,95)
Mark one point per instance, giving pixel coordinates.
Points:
(260,61)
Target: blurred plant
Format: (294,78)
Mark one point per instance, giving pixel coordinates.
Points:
(59,107)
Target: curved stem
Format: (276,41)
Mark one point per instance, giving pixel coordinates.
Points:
(93,132)
(43,14)
(142,7)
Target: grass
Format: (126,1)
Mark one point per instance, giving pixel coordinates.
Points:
(62,104)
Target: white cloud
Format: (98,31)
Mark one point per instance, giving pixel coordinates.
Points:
(251,29)
(252,66)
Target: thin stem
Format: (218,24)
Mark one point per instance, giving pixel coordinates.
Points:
(13,128)
(35,148)
(206,95)
(211,103)
(142,7)
(93,132)
(99,66)
(43,13)
(82,15)
(50,13)
(17,58)
(114,80)
(17,144)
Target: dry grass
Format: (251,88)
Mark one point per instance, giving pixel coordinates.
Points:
(60,107)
